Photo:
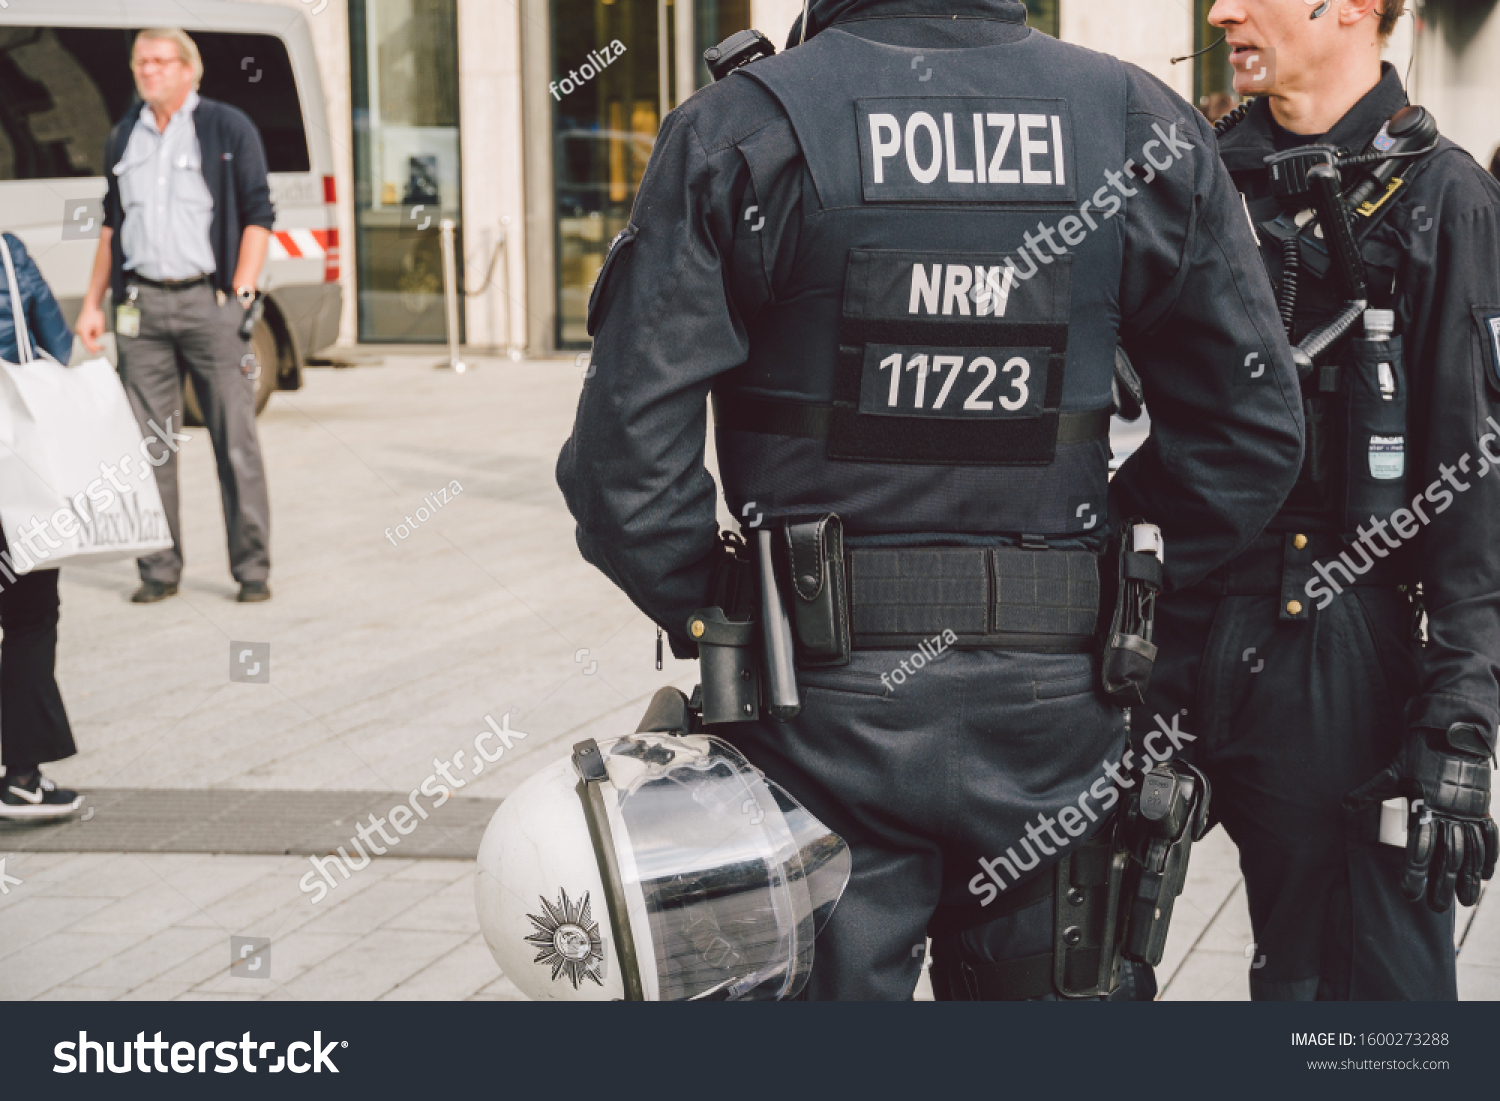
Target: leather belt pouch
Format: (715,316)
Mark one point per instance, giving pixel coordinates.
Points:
(820,612)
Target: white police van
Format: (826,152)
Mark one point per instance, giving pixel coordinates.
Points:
(65,81)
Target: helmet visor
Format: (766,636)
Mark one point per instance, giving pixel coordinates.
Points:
(727,878)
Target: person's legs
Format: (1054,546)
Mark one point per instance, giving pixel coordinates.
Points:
(1286,742)
(33,724)
(148,367)
(213,354)
(863,764)
(922,775)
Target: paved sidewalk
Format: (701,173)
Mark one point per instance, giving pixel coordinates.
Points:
(387,653)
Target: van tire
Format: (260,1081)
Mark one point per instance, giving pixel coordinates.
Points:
(267,354)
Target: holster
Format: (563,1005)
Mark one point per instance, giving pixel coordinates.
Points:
(820,612)
(1165,816)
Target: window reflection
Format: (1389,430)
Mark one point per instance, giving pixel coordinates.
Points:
(404,67)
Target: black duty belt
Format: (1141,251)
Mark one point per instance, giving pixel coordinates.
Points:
(167,284)
(990,598)
(810,420)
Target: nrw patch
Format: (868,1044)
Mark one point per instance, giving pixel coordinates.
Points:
(568,941)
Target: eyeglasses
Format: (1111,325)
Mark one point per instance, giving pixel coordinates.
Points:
(146,64)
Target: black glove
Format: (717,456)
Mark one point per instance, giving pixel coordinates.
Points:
(1452,842)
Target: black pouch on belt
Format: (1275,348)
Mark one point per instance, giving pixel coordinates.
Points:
(820,614)
(727,635)
(1376,387)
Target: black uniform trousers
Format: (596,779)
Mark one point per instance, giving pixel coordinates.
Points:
(1289,716)
(33,725)
(922,778)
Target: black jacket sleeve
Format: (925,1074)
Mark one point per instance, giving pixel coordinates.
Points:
(668,317)
(1447,315)
(1201,326)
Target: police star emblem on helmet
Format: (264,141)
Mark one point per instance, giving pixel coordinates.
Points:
(568,941)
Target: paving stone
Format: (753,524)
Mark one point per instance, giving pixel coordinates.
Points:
(501,990)
(374,907)
(1210,976)
(373,965)
(451,909)
(222,820)
(462,973)
(34,918)
(142,962)
(56,959)
(157,990)
(71,993)
(1478,984)
(153,907)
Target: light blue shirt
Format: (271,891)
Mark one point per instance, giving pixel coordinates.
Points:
(168,208)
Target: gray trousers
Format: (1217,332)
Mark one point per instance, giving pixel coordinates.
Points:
(186,331)
(922,779)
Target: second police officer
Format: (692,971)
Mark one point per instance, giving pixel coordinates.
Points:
(900,257)
(1313,697)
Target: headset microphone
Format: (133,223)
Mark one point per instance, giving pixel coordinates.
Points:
(1214,46)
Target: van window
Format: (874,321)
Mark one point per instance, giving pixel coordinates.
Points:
(63,88)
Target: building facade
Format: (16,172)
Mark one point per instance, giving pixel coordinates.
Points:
(530,125)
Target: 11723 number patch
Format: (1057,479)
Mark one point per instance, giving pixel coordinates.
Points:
(953,383)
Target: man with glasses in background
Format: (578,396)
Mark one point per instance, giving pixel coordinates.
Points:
(188,219)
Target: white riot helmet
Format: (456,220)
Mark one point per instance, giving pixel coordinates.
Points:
(656,867)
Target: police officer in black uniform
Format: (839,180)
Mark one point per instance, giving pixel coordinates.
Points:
(900,256)
(1300,662)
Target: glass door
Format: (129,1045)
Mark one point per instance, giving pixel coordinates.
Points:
(404,72)
(614,70)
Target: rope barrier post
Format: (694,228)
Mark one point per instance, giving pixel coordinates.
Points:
(503,245)
(450,295)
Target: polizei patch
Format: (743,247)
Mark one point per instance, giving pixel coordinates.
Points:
(965,149)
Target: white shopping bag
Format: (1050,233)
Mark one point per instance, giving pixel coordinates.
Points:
(77,482)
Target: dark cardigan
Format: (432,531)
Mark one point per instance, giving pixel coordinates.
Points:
(234,167)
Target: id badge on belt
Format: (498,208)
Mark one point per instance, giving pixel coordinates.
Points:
(128,316)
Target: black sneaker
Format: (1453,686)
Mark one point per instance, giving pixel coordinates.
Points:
(40,799)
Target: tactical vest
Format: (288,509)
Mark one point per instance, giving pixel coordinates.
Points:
(1356,458)
(927,370)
